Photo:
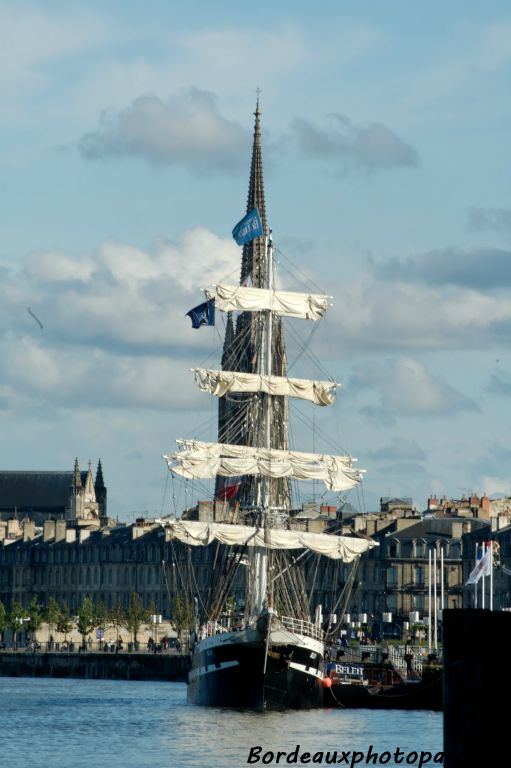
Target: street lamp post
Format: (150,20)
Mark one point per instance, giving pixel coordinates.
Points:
(156,618)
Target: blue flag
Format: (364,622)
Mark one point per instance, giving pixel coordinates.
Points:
(248,228)
(204,314)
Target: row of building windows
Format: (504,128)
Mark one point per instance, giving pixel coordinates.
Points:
(62,554)
(420,548)
(136,577)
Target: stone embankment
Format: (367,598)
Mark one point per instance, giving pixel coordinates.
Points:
(89,664)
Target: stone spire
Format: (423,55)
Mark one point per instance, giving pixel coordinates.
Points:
(77,479)
(99,483)
(241,417)
(100,490)
(253,261)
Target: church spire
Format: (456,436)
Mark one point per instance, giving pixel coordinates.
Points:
(77,479)
(99,483)
(241,419)
(253,260)
(100,490)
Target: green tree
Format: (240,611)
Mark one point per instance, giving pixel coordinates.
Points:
(51,614)
(183,614)
(136,615)
(86,619)
(4,620)
(101,614)
(64,624)
(117,619)
(18,616)
(35,618)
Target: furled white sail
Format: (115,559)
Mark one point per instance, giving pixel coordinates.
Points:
(197,459)
(220,383)
(200,534)
(305,306)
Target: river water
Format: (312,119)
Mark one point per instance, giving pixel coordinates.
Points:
(49,723)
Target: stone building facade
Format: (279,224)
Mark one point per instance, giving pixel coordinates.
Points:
(41,495)
(498,531)
(106,565)
(71,559)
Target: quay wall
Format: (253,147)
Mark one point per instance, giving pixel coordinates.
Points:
(119,666)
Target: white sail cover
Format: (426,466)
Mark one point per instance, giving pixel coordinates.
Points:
(305,306)
(197,459)
(199,534)
(220,383)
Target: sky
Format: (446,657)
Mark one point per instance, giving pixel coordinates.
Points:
(125,143)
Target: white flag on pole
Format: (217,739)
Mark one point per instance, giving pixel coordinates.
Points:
(482,567)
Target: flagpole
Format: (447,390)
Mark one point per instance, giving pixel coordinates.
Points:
(435,596)
(442,579)
(475,584)
(482,582)
(429,601)
(491,575)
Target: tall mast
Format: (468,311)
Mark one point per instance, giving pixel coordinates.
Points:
(241,419)
(262,573)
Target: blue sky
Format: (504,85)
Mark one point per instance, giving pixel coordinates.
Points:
(124,150)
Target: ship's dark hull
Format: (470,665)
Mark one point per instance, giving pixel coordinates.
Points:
(234,674)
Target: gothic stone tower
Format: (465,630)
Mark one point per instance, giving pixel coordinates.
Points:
(241,417)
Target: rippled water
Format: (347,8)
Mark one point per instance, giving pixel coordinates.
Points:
(47,723)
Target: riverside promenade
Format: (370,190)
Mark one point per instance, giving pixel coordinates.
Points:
(169,665)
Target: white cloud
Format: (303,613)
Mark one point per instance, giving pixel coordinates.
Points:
(36,369)
(120,295)
(69,377)
(31,38)
(399,448)
(478,268)
(55,267)
(372,146)
(121,309)
(405,388)
(492,485)
(186,131)
(375,314)
(114,322)
(410,390)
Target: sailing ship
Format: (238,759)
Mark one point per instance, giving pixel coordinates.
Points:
(268,651)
